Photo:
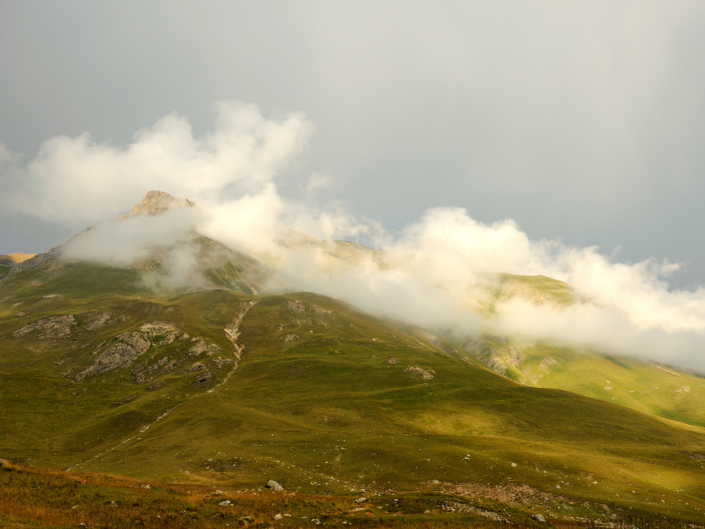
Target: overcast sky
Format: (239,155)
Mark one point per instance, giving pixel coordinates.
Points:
(583,121)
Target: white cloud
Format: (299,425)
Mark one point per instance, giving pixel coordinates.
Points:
(440,268)
(77,181)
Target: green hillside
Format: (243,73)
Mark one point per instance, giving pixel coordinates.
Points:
(102,374)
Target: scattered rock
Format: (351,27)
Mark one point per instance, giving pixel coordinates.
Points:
(145,486)
(393,360)
(158,328)
(151,369)
(98,321)
(452,506)
(295,306)
(221,362)
(290,337)
(169,367)
(278,516)
(142,378)
(360,500)
(320,310)
(156,386)
(425,374)
(48,328)
(184,337)
(271,484)
(204,347)
(225,503)
(168,340)
(538,518)
(195,367)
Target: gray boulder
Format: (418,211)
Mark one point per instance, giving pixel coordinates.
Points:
(271,484)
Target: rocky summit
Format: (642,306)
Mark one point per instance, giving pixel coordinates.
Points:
(156,202)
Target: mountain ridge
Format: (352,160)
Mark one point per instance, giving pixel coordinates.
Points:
(105,368)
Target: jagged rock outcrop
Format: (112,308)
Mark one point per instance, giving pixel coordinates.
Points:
(128,347)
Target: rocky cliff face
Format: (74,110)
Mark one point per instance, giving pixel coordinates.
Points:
(156,202)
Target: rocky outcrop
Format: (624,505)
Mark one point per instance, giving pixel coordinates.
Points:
(48,328)
(124,351)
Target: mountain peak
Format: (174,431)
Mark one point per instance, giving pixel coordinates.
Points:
(156,202)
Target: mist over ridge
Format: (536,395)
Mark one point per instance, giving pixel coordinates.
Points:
(439,271)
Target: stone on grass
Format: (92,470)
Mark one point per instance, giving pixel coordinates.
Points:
(271,484)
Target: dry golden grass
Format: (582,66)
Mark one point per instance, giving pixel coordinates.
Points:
(18,257)
(46,498)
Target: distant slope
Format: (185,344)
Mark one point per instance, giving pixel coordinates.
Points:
(658,390)
(10,260)
(16,257)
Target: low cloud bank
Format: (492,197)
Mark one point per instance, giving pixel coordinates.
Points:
(438,271)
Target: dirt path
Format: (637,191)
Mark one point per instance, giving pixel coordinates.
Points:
(232,331)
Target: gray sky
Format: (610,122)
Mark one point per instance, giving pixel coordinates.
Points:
(583,121)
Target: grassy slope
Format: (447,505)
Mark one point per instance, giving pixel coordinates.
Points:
(639,385)
(324,412)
